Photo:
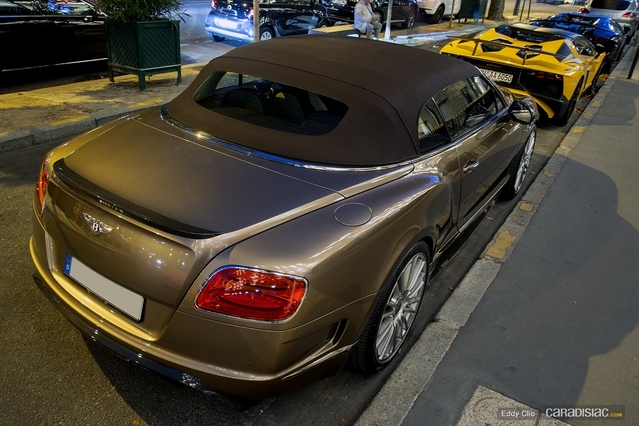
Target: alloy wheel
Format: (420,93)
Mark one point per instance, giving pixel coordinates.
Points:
(524,162)
(401,308)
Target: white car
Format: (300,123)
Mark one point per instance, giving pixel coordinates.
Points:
(437,9)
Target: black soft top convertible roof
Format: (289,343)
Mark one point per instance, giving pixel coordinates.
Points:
(383,84)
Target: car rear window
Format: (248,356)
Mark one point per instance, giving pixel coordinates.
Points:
(610,4)
(269,104)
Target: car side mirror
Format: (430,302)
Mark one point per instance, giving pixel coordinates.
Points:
(476,116)
(626,29)
(521,112)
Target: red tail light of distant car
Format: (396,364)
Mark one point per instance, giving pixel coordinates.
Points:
(252,294)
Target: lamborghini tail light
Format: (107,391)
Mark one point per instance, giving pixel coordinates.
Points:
(41,186)
(252,294)
(545,75)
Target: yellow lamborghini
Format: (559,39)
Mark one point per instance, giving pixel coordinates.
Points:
(554,67)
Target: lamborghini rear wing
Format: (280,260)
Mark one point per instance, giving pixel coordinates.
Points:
(526,50)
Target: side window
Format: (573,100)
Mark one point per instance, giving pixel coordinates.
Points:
(467,104)
(431,129)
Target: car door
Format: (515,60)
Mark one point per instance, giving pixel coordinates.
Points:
(479,124)
(439,156)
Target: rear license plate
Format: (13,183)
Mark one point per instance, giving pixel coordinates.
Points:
(498,77)
(114,294)
(227,24)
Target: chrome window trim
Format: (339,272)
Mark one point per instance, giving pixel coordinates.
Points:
(166,117)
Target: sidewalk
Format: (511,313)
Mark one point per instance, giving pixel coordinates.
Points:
(554,298)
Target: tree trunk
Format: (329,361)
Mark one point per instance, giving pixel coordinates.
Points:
(496,10)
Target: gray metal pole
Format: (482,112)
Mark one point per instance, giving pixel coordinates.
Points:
(634,62)
(387,31)
(256,21)
(450,22)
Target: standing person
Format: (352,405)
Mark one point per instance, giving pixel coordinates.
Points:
(365,20)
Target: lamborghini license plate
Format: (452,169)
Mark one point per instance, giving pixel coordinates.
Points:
(498,77)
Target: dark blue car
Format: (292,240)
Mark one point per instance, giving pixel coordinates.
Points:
(598,29)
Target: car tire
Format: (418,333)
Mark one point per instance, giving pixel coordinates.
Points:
(594,87)
(323,24)
(394,312)
(215,37)
(519,168)
(410,21)
(266,34)
(437,17)
(563,120)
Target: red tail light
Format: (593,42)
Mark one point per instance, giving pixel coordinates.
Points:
(252,294)
(213,4)
(251,14)
(628,15)
(583,10)
(41,185)
(545,76)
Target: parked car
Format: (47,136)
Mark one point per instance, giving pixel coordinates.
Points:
(282,214)
(623,11)
(233,19)
(598,29)
(403,12)
(553,66)
(435,10)
(34,34)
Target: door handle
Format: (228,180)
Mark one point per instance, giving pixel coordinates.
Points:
(470,166)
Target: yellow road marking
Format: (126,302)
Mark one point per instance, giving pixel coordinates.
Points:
(502,242)
(70,120)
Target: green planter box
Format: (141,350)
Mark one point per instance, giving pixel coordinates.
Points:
(143,48)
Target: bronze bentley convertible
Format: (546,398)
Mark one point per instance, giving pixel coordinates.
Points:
(281,216)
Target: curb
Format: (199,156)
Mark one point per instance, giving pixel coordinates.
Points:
(396,398)
(49,132)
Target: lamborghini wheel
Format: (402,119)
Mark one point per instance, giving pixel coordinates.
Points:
(565,117)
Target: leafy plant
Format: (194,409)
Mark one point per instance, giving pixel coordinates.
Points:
(141,10)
